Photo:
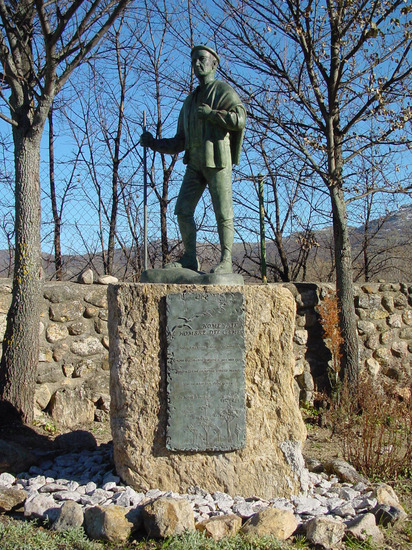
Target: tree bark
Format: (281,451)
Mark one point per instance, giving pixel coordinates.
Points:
(344,288)
(21,339)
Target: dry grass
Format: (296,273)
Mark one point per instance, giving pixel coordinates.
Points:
(374,423)
(329,319)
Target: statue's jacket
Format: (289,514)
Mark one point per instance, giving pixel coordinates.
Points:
(226,121)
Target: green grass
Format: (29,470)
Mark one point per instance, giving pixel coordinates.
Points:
(352,543)
(25,535)
(198,541)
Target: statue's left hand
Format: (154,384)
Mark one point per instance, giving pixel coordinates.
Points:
(203,111)
(146,139)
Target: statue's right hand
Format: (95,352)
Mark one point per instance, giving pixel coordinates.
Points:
(146,139)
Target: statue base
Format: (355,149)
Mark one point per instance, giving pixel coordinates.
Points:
(184,276)
(269,463)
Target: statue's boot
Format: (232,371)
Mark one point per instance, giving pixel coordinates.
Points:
(189,260)
(226,236)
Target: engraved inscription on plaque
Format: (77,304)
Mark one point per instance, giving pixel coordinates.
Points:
(205,372)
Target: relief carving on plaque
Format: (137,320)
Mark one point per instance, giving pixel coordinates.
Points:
(205,371)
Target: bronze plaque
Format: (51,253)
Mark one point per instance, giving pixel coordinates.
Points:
(205,372)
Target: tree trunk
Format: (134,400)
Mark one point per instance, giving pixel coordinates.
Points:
(163,232)
(21,340)
(108,268)
(344,288)
(56,217)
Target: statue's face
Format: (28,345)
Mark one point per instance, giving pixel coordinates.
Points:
(203,63)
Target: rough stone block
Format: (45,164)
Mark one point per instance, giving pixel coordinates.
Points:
(61,292)
(42,396)
(87,346)
(49,373)
(63,312)
(137,322)
(96,298)
(395,320)
(406,333)
(325,531)
(280,524)
(168,517)
(71,408)
(70,516)
(219,527)
(77,328)
(56,332)
(60,351)
(110,523)
(400,301)
(5,301)
(407,317)
(367,301)
(364,527)
(372,366)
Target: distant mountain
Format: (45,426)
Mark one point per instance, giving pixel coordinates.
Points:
(399,222)
(391,247)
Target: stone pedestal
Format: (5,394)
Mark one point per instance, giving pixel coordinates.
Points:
(271,464)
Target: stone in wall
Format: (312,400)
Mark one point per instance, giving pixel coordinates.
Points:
(66,311)
(383,330)
(73,364)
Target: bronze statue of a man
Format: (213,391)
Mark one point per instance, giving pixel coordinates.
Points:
(210,131)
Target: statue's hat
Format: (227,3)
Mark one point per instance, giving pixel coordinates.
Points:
(210,50)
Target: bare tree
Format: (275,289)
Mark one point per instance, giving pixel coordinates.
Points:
(7,208)
(140,73)
(166,83)
(40,46)
(375,251)
(56,216)
(289,203)
(104,124)
(315,73)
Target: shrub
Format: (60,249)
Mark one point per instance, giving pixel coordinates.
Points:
(329,319)
(374,422)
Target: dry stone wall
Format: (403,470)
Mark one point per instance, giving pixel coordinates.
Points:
(384,320)
(72,382)
(73,372)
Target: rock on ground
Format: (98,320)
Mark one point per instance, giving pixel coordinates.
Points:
(219,527)
(110,523)
(168,517)
(70,516)
(325,531)
(11,498)
(41,506)
(71,407)
(272,521)
(364,526)
(86,277)
(345,471)
(389,515)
